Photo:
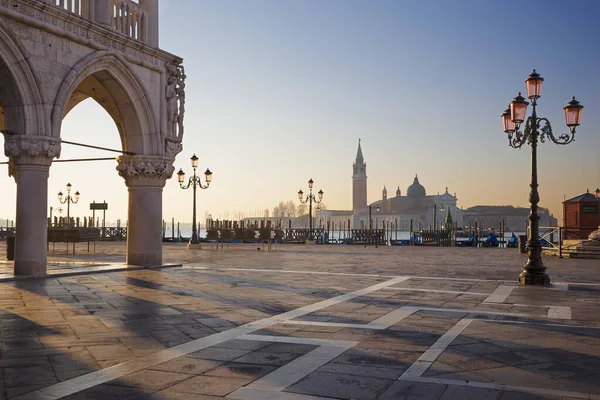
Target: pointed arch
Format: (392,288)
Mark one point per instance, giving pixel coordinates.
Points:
(23,105)
(106,77)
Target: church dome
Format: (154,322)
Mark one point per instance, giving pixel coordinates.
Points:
(416,189)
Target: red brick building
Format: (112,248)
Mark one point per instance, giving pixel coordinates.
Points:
(581,215)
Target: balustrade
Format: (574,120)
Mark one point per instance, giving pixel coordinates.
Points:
(129,18)
(78,7)
(126,16)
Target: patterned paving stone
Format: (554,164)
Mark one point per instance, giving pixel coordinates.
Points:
(208,385)
(341,386)
(413,391)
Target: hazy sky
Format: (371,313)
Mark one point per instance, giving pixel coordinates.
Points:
(279,91)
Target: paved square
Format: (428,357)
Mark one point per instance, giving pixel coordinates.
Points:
(304,322)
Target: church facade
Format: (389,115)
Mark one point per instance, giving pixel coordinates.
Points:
(416,208)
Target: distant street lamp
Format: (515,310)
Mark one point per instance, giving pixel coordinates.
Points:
(68,200)
(310,198)
(195,183)
(371,219)
(535,127)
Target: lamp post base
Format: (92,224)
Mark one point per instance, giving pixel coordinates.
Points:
(528,278)
(194,246)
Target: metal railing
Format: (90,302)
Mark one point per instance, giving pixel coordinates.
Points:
(553,238)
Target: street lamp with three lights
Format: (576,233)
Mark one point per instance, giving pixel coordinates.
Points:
(310,199)
(68,200)
(534,271)
(195,183)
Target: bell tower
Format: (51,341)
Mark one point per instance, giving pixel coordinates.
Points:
(359,181)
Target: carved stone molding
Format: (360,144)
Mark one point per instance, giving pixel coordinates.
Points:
(145,171)
(36,150)
(172,147)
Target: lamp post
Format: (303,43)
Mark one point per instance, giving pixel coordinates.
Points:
(195,183)
(536,128)
(371,219)
(310,198)
(68,200)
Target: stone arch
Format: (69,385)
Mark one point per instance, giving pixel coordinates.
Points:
(106,77)
(21,106)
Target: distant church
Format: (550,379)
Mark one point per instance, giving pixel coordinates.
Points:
(416,207)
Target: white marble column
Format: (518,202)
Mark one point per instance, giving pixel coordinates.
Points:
(32,157)
(145,176)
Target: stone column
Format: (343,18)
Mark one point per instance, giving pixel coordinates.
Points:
(31,157)
(145,177)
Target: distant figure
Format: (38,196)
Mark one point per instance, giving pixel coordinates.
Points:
(514,240)
(492,240)
(325,237)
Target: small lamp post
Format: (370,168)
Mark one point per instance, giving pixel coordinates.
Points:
(310,199)
(195,183)
(534,271)
(68,200)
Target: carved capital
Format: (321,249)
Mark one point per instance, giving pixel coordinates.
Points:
(145,171)
(27,149)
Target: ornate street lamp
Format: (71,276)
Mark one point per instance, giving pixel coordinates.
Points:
(310,198)
(535,127)
(371,219)
(68,200)
(195,183)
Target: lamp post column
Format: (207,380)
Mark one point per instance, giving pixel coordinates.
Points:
(69,208)
(310,227)
(534,269)
(194,239)
(370,219)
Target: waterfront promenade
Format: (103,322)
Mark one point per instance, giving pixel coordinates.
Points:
(301,322)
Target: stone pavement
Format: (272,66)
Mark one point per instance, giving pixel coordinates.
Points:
(304,322)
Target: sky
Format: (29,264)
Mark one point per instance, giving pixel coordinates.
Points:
(280,91)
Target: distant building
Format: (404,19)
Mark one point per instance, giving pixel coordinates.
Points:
(416,207)
(514,218)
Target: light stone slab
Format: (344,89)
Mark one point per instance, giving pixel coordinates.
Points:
(558,312)
(500,294)
(424,362)
(295,370)
(393,317)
